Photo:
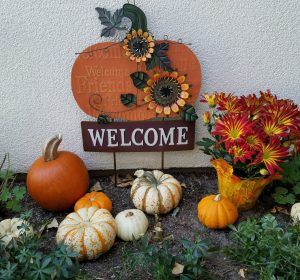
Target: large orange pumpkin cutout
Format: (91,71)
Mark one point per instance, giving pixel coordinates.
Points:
(101,73)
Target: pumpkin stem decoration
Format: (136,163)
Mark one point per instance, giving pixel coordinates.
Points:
(51,147)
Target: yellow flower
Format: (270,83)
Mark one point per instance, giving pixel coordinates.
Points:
(139,45)
(166,92)
(211,100)
(264,172)
(206,117)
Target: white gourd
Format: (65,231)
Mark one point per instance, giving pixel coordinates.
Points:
(89,232)
(132,224)
(155,192)
(10,229)
(295,213)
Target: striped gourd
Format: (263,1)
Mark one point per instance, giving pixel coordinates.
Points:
(155,192)
(89,232)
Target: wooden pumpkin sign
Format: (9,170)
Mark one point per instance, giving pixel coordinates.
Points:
(137,78)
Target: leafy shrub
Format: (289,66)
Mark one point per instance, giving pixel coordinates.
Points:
(287,190)
(10,195)
(156,261)
(27,258)
(267,248)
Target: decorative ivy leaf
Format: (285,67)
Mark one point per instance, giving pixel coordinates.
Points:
(290,198)
(112,23)
(296,188)
(5,194)
(13,205)
(159,58)
(128,99)
(188,113)
(281,190)
(103,119)
(136,15)
(139,79)
(19,192)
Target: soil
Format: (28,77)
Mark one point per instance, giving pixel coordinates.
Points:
(184,225)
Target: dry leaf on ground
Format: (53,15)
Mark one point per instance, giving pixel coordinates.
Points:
(53,224)
(177,269)
(96,188)
(278,209)
(124,182)
(242,272)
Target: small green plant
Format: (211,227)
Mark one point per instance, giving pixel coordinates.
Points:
(287,190)
(10,195)
(267,248)
(26,257)
(158,263)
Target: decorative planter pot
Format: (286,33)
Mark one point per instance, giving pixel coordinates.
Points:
(242,192)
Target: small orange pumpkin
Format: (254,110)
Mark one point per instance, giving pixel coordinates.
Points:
(57,180)
(96,199)
(217,212)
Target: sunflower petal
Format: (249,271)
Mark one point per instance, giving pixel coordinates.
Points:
(167,110)
(181,79)
(150,82)
(151,50)
(159,109)
(151,44)
(175,108)
(144,58)
(149,39)
(138,59)
(145,35)
(147,89)
(152,105)
(128,53)
(125,41)
(185,86)
(174,75)
(129,36)
(156,76)
(184,95)
(148,55)
(180,102)
(148,98)
(132,57)
(133,33)
(140,32)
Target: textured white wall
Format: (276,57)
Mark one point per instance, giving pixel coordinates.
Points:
(243,46)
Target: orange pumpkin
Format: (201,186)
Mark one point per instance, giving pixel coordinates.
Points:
(217,212)
(57,179)
(96,199)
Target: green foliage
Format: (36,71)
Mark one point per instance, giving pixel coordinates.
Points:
(188,113)
(267,248)
(159,58)
(136,15)
(128,99)
(10,195)
(139,79)
(287,191)
(27,258)
(156,260)
(103,119)
(111,23)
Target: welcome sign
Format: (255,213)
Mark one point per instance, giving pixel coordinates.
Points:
(150,136)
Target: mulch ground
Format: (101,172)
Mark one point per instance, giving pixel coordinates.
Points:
(184,225)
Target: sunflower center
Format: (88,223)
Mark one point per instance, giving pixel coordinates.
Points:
(138,46)
(166,91)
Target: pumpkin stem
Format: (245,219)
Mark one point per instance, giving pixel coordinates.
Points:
(50,148)
(129,214)
(150,177)
(217,198)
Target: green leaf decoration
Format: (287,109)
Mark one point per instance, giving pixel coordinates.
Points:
(139,79)
(136,15)
(296,188)
(19,192)
(281,190)
(159,58)
(5,194)
(103,119)
(111,23)
(128,99)
(188,113)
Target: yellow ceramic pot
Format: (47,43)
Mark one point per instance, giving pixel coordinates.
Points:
(242,192)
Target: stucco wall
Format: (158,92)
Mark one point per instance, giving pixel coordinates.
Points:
(243,46)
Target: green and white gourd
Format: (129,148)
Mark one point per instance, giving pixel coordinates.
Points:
(132,224)
(155,192)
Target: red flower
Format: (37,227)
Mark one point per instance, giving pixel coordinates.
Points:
(228,102)
(233,128)
(241,153)
(271,127)
(250,103)
(267,97)
(270,154)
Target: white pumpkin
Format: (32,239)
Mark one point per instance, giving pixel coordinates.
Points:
(155,192)
(89,232)
(9,229)
(295,213)
(132,224)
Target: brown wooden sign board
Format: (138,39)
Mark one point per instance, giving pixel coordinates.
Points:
(146,136)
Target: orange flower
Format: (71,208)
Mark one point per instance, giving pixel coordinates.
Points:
(232,128)
(166,92)
(271,154)
(206,117)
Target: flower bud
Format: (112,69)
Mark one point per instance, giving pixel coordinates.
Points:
(264,172)
(211,100)
(206,117)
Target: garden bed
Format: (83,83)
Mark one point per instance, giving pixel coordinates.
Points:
(184,224)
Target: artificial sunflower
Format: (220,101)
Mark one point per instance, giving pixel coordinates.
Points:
(139,45)
(166,92)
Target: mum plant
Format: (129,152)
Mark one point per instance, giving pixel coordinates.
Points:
(250,136)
